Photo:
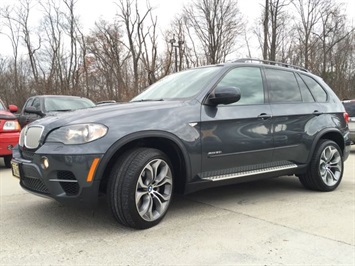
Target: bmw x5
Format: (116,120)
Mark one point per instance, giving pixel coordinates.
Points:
(196,129)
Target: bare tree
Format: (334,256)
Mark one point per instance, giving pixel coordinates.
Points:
(135,34)
(273,26)
(216,24)
(309,12)
(13,35)
(107,62)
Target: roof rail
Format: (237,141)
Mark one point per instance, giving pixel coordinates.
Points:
(268,62)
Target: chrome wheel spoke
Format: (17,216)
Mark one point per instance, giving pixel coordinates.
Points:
(140,194)
(163,197)
(146,204)
(330,166)
(153,190)
(160,205)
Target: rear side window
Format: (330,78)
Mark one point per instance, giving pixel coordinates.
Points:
(350,108)
(249,81)
(283,86)
(317,91)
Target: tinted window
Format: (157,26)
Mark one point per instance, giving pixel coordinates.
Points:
(317,91)
(306,94)
(36,103)
(29,102)
(350,108)
(283,86)
(249,80)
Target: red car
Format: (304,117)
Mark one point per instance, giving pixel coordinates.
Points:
(9,132)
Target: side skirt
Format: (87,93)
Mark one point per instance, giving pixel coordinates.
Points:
(244,171)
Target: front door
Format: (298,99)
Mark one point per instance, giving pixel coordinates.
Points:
(237,137)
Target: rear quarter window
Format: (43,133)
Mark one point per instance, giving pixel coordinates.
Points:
(317,91)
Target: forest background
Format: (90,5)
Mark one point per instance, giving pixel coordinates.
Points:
(51,51)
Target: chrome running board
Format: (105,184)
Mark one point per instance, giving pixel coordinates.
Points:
(250,172)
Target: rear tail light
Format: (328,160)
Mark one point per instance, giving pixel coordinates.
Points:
(346,117)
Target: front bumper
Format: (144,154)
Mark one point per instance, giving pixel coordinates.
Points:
(66,179)
(7,142)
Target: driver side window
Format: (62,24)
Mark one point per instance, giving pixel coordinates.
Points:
(249,81)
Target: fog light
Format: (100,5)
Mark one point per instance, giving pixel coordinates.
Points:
(44,162)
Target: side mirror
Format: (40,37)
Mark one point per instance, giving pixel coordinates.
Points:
(224,95)
(13,108)
(33,110)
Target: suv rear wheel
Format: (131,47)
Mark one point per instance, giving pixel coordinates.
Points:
(140,188)
(326,168)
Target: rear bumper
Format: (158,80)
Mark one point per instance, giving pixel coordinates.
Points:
(65,180)
(352,137)
(7,142)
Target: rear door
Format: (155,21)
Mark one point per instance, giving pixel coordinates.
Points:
(294,109)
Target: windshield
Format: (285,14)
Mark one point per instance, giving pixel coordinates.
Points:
(66,104)
(2,107)
(180,85)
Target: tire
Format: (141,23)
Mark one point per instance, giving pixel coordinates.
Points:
(140,188)
(326,168)
(7,161)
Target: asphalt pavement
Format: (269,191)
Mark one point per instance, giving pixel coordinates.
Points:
(268,222)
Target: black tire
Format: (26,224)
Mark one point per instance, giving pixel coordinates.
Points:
(136,196)
(326,168)
(7,161)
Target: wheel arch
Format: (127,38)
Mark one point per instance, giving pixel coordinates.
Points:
(170,144)
(330,134)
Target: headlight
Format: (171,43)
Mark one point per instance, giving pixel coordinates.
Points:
(11,125)
(77,134)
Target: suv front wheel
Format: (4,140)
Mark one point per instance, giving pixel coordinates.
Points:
(326,168)
(140,188)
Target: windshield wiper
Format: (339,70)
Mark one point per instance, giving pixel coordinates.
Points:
(147,100)
(62,110)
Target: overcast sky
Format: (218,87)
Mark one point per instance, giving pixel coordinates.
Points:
(92,10)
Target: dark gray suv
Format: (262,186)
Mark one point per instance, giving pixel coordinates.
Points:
(196,129)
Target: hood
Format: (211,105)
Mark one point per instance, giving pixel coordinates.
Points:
(102,113)
(7,115)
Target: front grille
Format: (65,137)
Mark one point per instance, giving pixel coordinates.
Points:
(34,184)
(32,136)
(71,187)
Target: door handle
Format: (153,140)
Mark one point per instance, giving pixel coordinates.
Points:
(264,116)
(316,112)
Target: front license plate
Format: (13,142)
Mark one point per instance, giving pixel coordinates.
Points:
(15,169)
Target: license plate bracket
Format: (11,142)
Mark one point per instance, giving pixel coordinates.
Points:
(15,169)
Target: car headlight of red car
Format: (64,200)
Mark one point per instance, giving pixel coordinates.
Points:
(11,125)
